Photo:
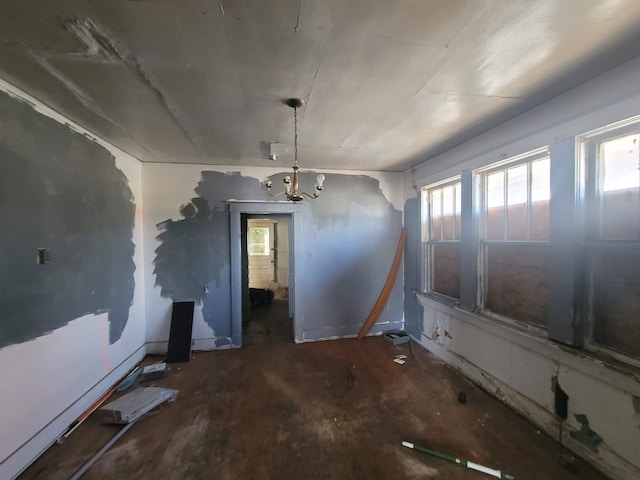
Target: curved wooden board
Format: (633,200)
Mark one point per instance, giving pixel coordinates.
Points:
(386,290)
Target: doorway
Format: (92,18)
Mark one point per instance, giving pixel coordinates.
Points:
(266,317)
(239,214)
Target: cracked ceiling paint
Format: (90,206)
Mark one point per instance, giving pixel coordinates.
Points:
(386,84)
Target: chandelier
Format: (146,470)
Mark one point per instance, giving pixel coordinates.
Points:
(291,186)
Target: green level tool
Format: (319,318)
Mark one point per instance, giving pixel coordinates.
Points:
(464,463)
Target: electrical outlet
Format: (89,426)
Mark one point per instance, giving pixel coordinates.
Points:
(43,256)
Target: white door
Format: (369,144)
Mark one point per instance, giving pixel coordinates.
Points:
(261,249)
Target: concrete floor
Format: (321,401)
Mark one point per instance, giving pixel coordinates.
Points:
(325,410)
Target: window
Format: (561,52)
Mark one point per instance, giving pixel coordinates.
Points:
(612,220)
(442,207)
(259,241)
(515,237)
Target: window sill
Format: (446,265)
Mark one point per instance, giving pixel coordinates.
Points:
(594,364)
(448,301)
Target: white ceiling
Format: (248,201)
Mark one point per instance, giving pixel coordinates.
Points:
(387,83)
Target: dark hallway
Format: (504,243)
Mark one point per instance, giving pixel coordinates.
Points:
(269,323)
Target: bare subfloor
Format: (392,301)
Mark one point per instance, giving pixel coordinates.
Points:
(326,410)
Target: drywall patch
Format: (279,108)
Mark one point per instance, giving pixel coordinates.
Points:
(61,191)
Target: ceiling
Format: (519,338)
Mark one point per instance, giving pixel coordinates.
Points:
(387,84)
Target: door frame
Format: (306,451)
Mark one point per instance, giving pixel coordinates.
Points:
(236,210)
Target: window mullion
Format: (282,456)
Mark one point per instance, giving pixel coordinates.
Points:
(505,206)
(529,201)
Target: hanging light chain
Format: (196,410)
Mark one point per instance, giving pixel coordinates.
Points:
(295,136)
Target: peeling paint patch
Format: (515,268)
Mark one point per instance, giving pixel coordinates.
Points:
(585,434)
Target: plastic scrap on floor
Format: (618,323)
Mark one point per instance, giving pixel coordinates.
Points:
(128,380)
(464,463)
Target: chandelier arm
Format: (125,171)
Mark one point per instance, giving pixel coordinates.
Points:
(276,194)
(308,198)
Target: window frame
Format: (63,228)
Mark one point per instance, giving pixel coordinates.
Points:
(428,242)
(593,243)
(481,194)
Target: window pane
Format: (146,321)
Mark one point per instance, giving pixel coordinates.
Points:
(445,259)
(517,185)
(436,215)
(258,241)
(620,190)
(458,211)
(616,300)
(517,282)
(495,189)
(495,206)
(517,211)
(540,194)
(448,207)
(540,185)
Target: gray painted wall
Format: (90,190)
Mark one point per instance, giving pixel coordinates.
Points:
(349,238)
(74,326)
(63,192)
(412,266)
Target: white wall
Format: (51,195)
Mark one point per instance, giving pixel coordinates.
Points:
(519,366)
(50,381)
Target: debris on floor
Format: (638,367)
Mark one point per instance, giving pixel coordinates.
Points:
(397,337)
(127,410)
(464,463)
(128,380)
(400,359)
(153,372)
(133,405)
